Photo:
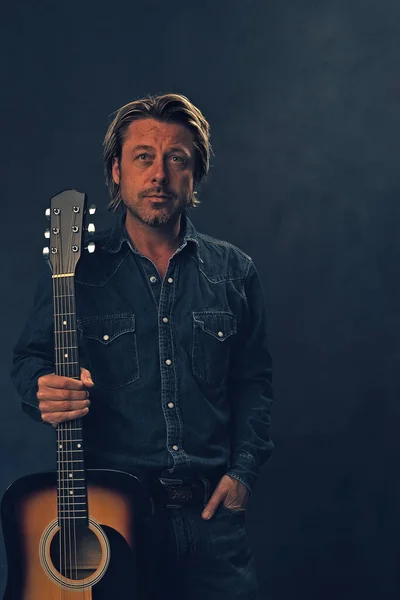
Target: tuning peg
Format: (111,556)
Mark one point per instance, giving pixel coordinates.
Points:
(47,212)
(91,228)
(47,234)
(46,251)
(92,209)
(91,247)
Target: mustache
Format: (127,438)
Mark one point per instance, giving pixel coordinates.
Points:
(159,191)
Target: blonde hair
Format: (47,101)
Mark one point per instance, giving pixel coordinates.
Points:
(173,108)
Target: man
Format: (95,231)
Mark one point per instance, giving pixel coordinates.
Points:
(173,351)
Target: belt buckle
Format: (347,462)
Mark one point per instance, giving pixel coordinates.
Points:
(166,483)
(174,483)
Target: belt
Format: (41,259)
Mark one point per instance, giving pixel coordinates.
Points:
(175,493)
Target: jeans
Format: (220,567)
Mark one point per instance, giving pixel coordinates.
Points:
(189,558)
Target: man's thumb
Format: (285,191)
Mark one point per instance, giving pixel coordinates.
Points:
(86,378)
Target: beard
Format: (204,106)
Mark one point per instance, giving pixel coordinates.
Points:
(158,216)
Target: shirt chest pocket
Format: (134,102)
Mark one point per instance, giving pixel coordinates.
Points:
(213,333)
(110,349)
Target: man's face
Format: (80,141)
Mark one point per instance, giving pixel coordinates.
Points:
(155,173)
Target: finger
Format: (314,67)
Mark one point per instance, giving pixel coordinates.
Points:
(51,406)
(57,418)
(218,496)
(58,395)
(86,378)
(60,382)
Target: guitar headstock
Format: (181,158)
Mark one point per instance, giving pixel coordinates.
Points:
(67,214)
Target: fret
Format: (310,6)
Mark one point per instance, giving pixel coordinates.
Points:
(62,454)
(74,362)
(75,511)
(63,517)
(78,470)
(56,296)
(64,330)
(66,347)
(72,428)
(72,497)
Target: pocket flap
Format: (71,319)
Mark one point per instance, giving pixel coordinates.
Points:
(220,325)
(106,329)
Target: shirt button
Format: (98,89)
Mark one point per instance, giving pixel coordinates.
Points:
(168,362)
(220,334)
(171,405)
(106,337)
(165,320)
(175,447)
(153,279)
(170,280)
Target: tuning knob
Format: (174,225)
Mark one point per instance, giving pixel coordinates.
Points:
(91,228)
(46,251)
(47,212)
(91,247)
(47,234)
(92,209)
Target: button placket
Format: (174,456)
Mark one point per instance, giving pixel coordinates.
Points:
(169,399)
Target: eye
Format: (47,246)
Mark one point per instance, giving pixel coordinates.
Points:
(143,156)
(178,159)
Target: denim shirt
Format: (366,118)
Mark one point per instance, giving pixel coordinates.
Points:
(181,367)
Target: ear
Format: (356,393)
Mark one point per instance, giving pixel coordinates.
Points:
(115,170)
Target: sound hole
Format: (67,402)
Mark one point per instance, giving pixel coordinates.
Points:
(75,553)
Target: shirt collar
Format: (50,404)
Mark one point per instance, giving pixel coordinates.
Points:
(119,235)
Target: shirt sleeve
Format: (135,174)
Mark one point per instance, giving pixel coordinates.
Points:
(33,354)
(250,388)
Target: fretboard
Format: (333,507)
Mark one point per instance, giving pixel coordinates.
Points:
(72,492)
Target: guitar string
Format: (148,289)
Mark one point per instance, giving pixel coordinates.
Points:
(59,465)
(59,428)
(63,367)
(62,536)
(72,372)
(66,490)
(74,366)
(68,368)
(64,337)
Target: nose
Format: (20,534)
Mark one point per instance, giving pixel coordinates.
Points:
(160,173)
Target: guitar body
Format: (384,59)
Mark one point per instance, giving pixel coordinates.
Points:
(106,559)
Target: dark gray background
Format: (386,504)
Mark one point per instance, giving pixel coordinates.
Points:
(303,98)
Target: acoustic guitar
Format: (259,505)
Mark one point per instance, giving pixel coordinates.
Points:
(72,534)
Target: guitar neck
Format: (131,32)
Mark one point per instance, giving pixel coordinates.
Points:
(72,491)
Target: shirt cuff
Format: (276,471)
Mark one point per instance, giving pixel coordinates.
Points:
(244,468)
